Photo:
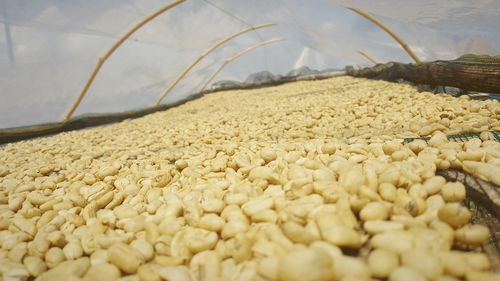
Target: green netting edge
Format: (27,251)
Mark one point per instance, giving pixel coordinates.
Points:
(461,137)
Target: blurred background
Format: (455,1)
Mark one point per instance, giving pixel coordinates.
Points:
(49,47)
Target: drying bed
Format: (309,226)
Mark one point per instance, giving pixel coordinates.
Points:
(309,180)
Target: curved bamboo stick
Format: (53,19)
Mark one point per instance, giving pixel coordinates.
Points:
(208,51)
(238,55)
(367,56)
(111,51)
(390,32)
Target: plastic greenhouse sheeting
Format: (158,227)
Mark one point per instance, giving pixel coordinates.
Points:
(49,47)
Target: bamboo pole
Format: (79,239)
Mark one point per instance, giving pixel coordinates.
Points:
(367,56)
(238,55)
(208,51)
(390,32)
(111,51)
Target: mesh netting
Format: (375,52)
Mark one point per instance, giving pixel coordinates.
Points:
(483,200)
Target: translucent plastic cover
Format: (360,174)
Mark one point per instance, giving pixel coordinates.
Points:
(49,47)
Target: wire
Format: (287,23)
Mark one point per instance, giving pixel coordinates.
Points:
(240,19)
(82,31)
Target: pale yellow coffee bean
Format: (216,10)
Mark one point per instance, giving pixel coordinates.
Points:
(484,171)
(358,202)
(206,264)
(125,257)
(391,147)
(296,172)
(417,191)
(472,234)
(369,193)
(54,256)
(435,202)
(15,273)
(404,273)
(453,192)
(180,273)
(471,155)
(342,236)
(199,240)
(125,211)
(444,229)
(104,200)
(345,266)
(305,264)
(382,262)
(378,226)
(72,250)
(268,154)
(233,227)
(430,239)
(477,261)
(106,171)
(324,175)
(265,216)
(311,164)
(297,233)
(399,155)
(181,164)
(438,139)
(99,256)
(398,241)
(374,211)
(17,253)
(56,238)
(352,179)
(161,180)
(144,247)
(454,263)
(103,271)
(34,265)
(417,145)
(329,148)
(407,205)
(4,170)
(264,173)
(149,272)
(212,222)
(67,270)
(454,214)
(132,224)
(257,204)
(233,212)
(444,165)
(424,262)
(484,136)
(240,247)
(212,205)
(24,225)
(482,276)
(387,191)
(390,175)
(434,184)
(235,198)
(15,202)
(268,267)
(332,250)
(36,198)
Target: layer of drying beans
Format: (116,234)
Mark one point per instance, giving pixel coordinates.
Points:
(305,181)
